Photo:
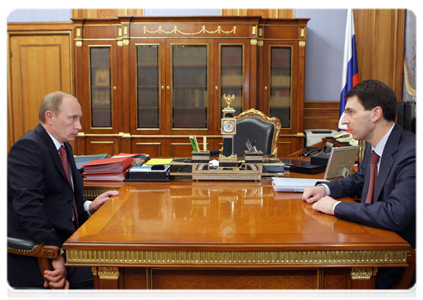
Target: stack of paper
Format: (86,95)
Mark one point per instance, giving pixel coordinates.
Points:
(107,169)
(294,185)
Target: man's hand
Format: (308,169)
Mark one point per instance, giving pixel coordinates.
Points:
(99,201)
(313,194)
(57,277)
(325,205)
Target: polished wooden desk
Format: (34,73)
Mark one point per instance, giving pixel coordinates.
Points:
(193,235)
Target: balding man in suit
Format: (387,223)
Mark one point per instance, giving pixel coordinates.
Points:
(45,202)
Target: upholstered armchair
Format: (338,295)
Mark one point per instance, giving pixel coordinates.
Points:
(253,124)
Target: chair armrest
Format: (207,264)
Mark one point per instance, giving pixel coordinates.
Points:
(44,253)
(31,248)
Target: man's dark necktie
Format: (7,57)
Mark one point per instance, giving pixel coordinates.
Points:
(373,177)
(64,158)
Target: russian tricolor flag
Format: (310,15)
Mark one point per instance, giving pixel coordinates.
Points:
(350,68)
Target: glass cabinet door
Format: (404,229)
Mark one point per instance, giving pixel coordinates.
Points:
(280,84)
(148,83)
(189,86)
(232,75)
(101,85)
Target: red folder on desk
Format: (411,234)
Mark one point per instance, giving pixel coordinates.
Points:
(105,176)
(108,165)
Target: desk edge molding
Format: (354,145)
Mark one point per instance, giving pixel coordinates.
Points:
(239,258)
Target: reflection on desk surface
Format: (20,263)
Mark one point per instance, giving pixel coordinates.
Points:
(211,213)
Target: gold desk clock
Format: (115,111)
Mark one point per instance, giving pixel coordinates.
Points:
(228,129)
(251,168)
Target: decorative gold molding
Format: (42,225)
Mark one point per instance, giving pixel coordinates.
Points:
(357,257)
(410,90)
(302,43)
(108,273)
(91,193)
(253,41)
(363,273)
(260,31)
(203,30)
(78,43)
(125,135)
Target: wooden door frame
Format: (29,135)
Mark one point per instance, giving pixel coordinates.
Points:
(35,28)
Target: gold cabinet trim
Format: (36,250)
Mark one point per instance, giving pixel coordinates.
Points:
(203,30)
(108,273)
(364,273)
(358,257)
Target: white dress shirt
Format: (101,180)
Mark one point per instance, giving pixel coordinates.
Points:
(58,145)
(378,150)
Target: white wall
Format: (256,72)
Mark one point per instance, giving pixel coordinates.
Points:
(324,53)
(324,47)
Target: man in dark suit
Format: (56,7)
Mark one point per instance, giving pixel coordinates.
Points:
(44,204)
(370,115)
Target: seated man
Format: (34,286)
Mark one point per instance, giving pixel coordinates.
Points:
(390,203)
(44,194)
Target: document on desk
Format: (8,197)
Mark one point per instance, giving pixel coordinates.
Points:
(294,185)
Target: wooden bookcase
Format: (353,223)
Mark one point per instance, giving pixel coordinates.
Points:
(146,83)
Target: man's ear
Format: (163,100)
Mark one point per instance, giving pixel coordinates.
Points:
(377,113)
(49,117)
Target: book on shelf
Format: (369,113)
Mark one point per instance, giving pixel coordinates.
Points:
(108,165)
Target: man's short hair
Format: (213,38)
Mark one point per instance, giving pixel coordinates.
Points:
(372,93)
(52,102)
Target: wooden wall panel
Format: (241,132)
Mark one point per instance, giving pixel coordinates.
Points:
(380,45)
(154,149)
(105,13)
(321,115)
(273,13)
(101,146)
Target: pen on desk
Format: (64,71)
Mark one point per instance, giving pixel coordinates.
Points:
(204,143)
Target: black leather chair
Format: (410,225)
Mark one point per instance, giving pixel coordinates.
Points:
(253,124)
(45,253)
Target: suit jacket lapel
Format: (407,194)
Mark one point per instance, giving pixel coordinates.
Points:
(387,161)
(52,149)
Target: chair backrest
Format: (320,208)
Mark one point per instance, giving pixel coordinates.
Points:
(259,127)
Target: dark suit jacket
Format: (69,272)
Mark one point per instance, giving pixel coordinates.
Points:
(394,207)
(39,194)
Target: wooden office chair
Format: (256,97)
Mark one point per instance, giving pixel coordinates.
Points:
(253,124)
(45,253)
